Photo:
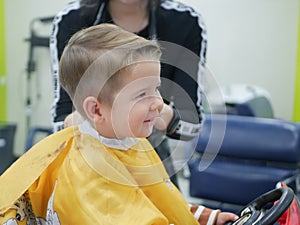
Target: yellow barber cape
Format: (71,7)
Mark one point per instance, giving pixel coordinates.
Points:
(71,178)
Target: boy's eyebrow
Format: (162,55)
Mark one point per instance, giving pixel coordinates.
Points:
(141,89)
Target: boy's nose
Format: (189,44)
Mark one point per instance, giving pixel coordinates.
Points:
(157,104)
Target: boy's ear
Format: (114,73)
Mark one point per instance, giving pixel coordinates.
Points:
(91,106)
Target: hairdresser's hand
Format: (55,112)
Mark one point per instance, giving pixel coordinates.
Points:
(224,217)
(166,115)
(73,119)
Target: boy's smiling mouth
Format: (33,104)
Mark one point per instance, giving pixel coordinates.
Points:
(150,121)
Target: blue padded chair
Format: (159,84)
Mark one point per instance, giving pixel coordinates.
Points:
(33,135)
(254,155)
(7,136)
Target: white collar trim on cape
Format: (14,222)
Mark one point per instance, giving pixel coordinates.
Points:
(122,144)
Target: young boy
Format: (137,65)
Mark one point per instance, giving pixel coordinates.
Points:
(103,171)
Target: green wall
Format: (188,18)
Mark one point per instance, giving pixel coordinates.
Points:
(2,64)
(296,116)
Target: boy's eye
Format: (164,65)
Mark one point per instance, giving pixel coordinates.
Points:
(141,95)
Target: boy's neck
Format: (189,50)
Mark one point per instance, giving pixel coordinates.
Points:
(122,144)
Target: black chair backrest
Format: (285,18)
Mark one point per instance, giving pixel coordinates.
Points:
(7,136)
(33,134)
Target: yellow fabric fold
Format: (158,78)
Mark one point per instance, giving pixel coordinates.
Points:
(72,178)
(20,175)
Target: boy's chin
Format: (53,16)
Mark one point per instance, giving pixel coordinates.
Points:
(144,135)
(149,133)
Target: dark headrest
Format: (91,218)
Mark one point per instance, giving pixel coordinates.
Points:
(251,138)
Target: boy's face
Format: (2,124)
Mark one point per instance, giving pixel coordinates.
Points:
(136,105)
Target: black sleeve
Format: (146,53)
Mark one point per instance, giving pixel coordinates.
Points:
(182,70)
(65,24)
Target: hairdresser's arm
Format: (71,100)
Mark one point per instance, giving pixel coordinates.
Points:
(165,118)
(65,24)
(185,91)
(73,119)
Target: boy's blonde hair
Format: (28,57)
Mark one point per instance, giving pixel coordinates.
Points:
(94,55)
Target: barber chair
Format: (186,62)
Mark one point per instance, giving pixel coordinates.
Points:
(7,136)
(238,158)
(35,134)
